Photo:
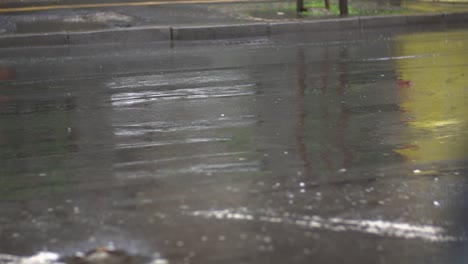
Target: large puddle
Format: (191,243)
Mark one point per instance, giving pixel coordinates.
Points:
(272,152)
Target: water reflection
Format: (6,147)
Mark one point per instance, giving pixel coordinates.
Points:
(433,91)
(341,110)
(270,153)
(332,118)
(301,115)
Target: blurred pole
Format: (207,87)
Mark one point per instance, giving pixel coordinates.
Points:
(327,4)
(299,6)
(343,7)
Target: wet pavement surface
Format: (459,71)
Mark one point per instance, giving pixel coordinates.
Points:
(73,20)
(75,17)
(280,150)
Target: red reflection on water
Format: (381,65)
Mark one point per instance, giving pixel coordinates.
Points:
(6,74)
(403,83)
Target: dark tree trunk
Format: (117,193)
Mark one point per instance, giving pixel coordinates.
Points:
(343,7)
(300,6)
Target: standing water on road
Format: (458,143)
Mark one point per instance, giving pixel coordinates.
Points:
(259,151)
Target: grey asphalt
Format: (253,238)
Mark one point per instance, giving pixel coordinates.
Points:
(287,149)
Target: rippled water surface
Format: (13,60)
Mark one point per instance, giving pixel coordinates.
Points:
(288,150)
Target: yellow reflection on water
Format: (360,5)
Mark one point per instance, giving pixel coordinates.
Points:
(433,85)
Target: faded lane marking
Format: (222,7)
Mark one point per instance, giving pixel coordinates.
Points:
(375,227)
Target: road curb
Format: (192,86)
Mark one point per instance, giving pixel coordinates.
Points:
(133,35)
(214,32)
(33,40)
(456,18)
(437,19)
(383,21)
(220,32)
(141,34)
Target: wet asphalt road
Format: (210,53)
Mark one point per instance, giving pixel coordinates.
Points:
(288,150)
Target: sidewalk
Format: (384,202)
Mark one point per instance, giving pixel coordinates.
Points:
(186,21)
(114,17)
